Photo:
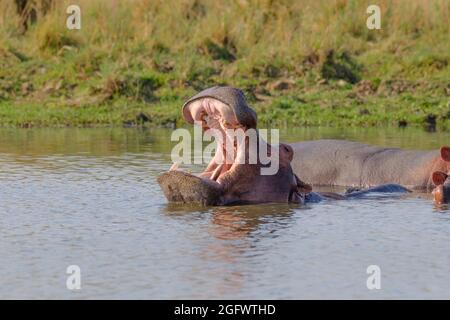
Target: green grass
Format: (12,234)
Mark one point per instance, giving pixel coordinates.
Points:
(310,62)
(329,105)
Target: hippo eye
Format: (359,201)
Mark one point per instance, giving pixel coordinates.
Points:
(287,149)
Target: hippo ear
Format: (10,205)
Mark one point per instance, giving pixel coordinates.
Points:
(302,186)
(439,177)
(445,153)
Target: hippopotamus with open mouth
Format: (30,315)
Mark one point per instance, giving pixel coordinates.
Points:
(441,193)
(238,180)
(232,181)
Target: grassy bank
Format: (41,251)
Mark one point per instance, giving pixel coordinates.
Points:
(299,62)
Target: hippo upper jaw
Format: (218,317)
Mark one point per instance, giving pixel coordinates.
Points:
(227,102)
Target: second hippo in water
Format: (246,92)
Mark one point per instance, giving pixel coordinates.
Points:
(348,163)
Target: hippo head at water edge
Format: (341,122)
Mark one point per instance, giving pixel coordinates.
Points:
(441,193)
(232,177)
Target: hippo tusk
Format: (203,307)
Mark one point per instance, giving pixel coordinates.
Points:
(217,172)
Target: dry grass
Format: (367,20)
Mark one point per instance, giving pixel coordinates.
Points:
(190,44)
(255,31)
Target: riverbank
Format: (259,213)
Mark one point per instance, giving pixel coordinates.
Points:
(335,104)
(314,64)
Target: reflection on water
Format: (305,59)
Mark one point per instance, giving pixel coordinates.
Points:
(89,197)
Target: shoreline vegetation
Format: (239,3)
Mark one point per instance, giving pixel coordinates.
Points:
(300,63)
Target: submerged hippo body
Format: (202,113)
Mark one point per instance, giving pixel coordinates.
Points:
(386,189)
(347,163)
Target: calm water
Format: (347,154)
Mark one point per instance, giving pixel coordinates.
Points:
(88,197)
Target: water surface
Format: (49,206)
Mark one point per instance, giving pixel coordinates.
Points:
(89,197)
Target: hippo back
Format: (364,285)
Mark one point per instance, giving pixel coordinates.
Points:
(348,163)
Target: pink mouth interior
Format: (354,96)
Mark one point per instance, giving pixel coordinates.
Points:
(214,114)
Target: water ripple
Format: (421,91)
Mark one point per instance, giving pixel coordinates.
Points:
(70,203)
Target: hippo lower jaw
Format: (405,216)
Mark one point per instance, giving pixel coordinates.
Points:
(180,186)
(205,188)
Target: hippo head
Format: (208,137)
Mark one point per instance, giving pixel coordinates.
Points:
(441,179)
(231,177)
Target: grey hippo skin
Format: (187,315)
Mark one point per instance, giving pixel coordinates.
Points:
(347,163)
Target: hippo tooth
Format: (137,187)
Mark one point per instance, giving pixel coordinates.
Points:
(217,172)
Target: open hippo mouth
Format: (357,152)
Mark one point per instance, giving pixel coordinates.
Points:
(231,177)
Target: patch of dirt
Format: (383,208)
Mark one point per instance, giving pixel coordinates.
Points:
(281,85)
(165,66)
(394,87)
(365,88)
(26,88)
